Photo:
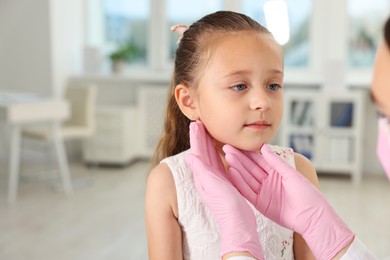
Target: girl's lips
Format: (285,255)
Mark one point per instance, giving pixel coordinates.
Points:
(258,125)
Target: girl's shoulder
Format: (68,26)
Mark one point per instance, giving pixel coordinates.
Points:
(163,181)
(164,171)
(160,176)
(160,188)
(306,168)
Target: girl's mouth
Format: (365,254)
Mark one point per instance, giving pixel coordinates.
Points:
(260,125)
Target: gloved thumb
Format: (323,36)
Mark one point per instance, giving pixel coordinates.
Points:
(274,161)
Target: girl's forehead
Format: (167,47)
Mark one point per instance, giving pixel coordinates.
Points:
(218,38)
(246,45)
(225,50)
(243,41)
(242,56)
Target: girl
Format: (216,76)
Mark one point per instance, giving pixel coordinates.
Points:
(228,74)
(228,77)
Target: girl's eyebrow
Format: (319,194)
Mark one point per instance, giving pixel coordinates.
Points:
(238,72)
(276,71)
(246,72)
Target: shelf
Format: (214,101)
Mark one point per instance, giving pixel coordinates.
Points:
(326,128)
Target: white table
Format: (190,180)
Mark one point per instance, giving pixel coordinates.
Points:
(20,109)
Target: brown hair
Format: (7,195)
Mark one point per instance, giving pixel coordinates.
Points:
(194,51)
(386,32)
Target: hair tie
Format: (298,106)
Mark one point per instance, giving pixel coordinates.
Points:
(180,29)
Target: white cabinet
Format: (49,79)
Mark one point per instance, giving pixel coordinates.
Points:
(113,141)
(326,128)
(127,133)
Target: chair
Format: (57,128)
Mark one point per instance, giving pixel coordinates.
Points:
(80,125)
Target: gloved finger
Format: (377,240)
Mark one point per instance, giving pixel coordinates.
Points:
(203,176)
(211,151)
(244,161)
(205,149)
(271,197)
(247,176)
(196,139)
(197,142)
(242,186)
(271,161)
(243,180)
(202,144)
(198,170)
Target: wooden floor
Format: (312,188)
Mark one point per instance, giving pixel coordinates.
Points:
(104,218)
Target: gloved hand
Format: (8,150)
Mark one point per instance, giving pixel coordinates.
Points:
(283,195)
(235,218)
(383,144)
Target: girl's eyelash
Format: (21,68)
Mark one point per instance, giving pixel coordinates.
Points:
(242,86)
(273,86)
(239,87)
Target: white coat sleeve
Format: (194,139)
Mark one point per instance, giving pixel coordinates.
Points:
(358,250)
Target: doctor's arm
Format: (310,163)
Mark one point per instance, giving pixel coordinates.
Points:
(282,194)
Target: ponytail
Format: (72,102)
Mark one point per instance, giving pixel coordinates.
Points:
(386,32)
(175,136)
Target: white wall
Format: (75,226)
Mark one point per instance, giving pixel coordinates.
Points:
(25,46)
(66,31)
(40,44)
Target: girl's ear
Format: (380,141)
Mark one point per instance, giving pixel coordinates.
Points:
(185,101)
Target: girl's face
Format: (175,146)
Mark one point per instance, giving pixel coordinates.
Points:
(239,96)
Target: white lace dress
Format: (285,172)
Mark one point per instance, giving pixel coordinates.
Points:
(201,239)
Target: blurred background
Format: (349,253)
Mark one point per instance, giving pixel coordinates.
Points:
(82,94)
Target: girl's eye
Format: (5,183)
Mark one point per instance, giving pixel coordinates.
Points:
(273,87)
(239,87)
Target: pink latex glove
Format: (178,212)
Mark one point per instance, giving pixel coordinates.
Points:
(383,144)
(283,195)
(235,218)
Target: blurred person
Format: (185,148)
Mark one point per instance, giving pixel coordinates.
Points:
(380,93)
(380,88)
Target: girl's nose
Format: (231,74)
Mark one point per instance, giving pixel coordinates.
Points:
(259,100)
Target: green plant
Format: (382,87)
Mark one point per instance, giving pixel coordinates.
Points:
(124,53)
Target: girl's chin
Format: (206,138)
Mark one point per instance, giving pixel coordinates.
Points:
(257,149)
(250,148)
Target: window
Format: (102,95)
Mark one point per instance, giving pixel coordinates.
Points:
(126,23)
(366,20)
(357,29)
(297,50)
